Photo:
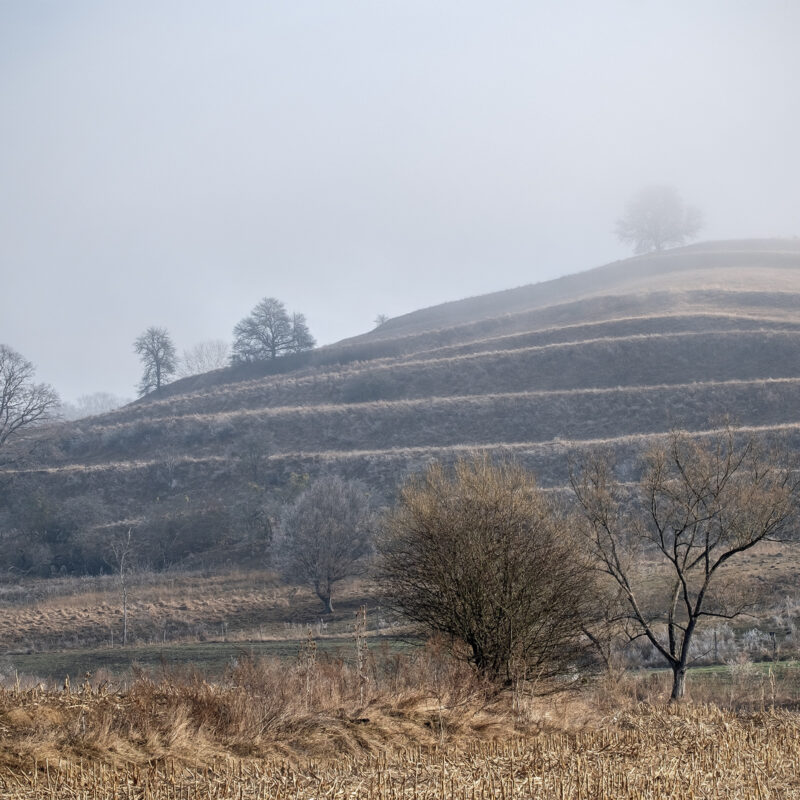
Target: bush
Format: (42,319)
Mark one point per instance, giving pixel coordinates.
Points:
(483,556)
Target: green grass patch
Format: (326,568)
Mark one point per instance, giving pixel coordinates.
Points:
(210,658)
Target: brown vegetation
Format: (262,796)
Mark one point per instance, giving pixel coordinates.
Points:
(423,728)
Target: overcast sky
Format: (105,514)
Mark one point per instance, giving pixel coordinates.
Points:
(171,163)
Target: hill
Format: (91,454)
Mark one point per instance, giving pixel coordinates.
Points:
(615,356)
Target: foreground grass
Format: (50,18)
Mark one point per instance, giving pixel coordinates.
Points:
(412,725)
(650,752)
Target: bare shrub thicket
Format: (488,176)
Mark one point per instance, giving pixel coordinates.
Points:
(483,556)
(700,505)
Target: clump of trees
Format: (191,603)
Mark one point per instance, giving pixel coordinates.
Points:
(657,218)
(159,360)
(204,357)
(270,331)
(700,506)
(89,405)
(482,555)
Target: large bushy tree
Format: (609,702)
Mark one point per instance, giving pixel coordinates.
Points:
(269,331)
(481,554)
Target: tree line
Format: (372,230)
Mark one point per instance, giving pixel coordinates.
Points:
(269,331)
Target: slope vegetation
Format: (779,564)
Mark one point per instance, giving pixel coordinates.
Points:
(613,356)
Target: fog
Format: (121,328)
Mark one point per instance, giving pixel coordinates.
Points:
(173,163)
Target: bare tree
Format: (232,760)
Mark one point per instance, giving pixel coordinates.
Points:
(301,335)
(657,218)
(204,357)
(157,354)
(485,557)
(268,332)
(89,405)
(327,535)
(120,559)
(699,505)
(23,402)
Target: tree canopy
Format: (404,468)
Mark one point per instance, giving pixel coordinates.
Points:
(157,354)
(269,331)
(23,402)
(665,544)
(657,218)
(327,535)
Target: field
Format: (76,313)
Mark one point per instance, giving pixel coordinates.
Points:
(437,734)
(278,704)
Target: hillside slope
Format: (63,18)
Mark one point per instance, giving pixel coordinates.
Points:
(612,356)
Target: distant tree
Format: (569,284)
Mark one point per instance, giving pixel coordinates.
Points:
(301,335)
(699,505)
(89,405)
(381,319)
(157,354)
(657,218)
(268,332)
(23,402)
(482,555)
(204,357)
(327,535)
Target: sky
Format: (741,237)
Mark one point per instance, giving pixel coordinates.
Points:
(171,163)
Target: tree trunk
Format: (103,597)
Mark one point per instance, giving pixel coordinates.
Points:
(322,589)
(678,683)
(124,615)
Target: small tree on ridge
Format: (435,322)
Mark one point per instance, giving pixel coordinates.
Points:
(157,354)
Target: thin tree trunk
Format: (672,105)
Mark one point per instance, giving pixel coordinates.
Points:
(124,615)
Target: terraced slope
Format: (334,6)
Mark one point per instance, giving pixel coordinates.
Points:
(612,356)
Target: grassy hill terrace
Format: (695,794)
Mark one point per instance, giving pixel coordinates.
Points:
(612,356)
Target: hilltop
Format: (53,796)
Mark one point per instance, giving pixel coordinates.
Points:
(612,356)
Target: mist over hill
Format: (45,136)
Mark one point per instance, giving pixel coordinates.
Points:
(608,357)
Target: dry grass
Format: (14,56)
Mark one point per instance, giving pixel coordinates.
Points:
(232,605)
(425,729)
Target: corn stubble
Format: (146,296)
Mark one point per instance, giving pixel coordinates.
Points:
(647,751)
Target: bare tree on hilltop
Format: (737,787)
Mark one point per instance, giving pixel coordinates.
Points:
(269,332)
(157,354)
(657,218)
(22,401)
(204,357)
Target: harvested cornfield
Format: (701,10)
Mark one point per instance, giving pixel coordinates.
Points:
(648,752)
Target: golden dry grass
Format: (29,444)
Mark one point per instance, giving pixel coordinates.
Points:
(445,738)
(241,605)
